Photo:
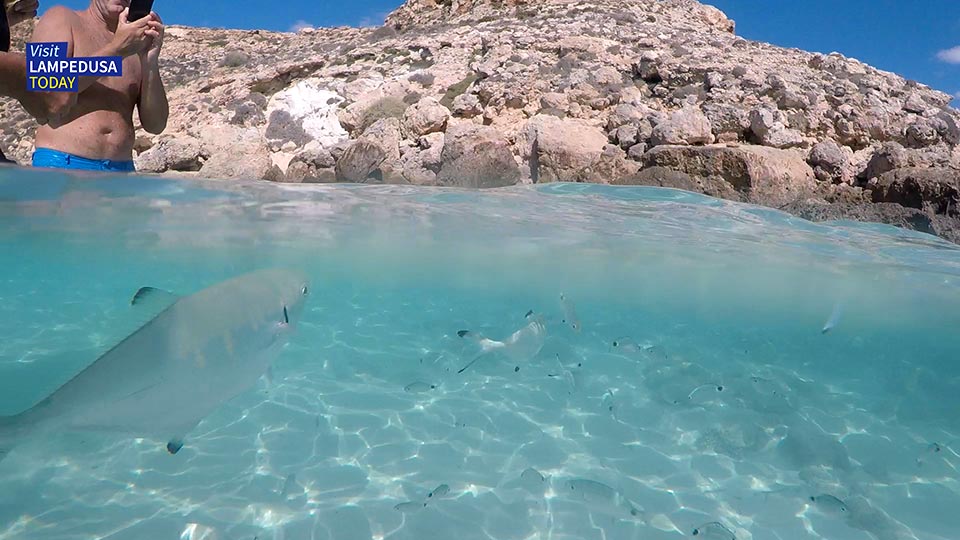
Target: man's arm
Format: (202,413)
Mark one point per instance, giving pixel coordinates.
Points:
(152,106)
(46,107)
(13,75)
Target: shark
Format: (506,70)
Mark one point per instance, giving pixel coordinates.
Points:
(193,354)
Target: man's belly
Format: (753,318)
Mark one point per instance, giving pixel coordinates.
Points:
(95,135)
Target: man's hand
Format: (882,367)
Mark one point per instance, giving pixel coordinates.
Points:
(150,56)
(24,10)
(132,37)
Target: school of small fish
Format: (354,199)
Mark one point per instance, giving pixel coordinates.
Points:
(595,496)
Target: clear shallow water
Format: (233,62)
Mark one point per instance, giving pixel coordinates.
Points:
(713,294)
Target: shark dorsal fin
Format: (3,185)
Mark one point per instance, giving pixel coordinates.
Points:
(154,298)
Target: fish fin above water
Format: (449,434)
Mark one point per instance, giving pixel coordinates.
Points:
(152,296)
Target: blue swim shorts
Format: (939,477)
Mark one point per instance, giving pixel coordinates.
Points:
(55,159)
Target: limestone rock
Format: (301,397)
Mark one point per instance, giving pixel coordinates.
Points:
(563,150)
(314,165)
(425,116)
(374,157)
(250,162)
(730,123)
(306,111)
(889,213)
(467,106)
(914,104)
(477,157)
(714,186)
(636,151)
(828,160)
(761,174)
(770,131)
(923,133)
(626,136)
(935,190)
(178,154)
(686,126)
(888,157)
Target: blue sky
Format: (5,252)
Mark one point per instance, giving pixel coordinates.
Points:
(919,39)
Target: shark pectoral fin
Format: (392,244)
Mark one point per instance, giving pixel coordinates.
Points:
(175,443)
(153,297)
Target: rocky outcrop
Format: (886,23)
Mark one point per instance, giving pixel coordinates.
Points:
(887,213)
(686,126)
(477,157)
(374,158)
(487,93)
(759,174)
(933,190)
(563,150)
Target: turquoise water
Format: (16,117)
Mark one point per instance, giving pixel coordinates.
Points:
(366,414)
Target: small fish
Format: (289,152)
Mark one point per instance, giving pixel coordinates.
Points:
(565,374)
(439,492)
(410,507)
(828,504)
(709,387)
(714,531)
(532,475)
(569,313)
(649,350)
(417,387)
(521,346)
(834,318)
(608,404)
(602,498)
(196,353)
(625,344)
(932,450)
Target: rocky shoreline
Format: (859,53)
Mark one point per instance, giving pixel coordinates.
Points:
(487,93)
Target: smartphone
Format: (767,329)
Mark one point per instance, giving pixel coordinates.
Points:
(139,9)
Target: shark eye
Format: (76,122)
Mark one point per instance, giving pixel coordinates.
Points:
(303,291)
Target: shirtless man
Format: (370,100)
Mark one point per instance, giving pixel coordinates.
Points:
(98,133)
(46,107)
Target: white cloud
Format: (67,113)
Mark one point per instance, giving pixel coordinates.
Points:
(956,95)
(300,25)
(950,56)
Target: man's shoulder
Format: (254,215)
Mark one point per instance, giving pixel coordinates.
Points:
(59,14)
